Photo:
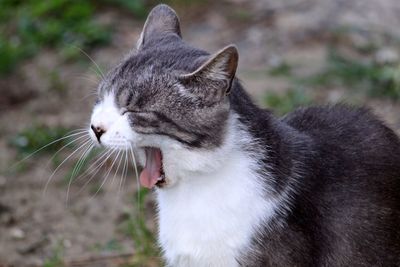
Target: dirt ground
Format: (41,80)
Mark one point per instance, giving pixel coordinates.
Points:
(86,230)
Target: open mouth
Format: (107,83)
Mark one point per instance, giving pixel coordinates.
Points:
(153,171)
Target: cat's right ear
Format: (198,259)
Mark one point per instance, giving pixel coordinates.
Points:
(162,19)
(212,81)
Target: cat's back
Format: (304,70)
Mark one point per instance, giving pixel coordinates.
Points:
(346,128)
(353,181)
(352,144)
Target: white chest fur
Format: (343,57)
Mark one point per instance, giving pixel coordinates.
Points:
(208,218)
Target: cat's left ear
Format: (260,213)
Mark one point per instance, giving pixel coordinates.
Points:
(161,20)
(213,80)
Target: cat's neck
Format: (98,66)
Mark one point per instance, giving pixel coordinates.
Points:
(219,207)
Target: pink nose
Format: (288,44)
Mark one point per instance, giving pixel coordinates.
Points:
(98,131)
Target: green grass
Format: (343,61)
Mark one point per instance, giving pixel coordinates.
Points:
(139,8)
(57,257)
(359,76)
(284,103)
(135,227)
(29,26)
(34,141)
(368,77)
(283,69)
(32,138)
(111,246)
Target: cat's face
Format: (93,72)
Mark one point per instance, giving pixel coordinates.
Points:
(165,101)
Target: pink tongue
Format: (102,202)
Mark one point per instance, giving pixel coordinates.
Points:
(151,172)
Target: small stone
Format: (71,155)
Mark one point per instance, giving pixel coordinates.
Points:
(67,243)
(335,96)
(386,56)
(275,61)
(17,233)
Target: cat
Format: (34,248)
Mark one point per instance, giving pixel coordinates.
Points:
(237,186)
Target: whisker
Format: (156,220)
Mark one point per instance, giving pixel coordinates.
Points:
(88,95)
(136,173)
(81,160)
(109,153)
(69,143)
(92,167)
(106,176)
(127,167)
(88,78)
(77,168)
(49,144)
(115,174)
(122,175)
(98,74)
(134,161)
(102,76)
(58,167)
(116,171)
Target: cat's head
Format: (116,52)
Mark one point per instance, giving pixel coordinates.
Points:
(167,101)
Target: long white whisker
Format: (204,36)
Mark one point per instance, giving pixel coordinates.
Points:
(127,167)
(97,170)
(105,177)
(77,168)
(116,171)
(88,78)
(80,161)
(88,95)
(54,172)
(49,144)
(122,175)
(134,162)
(63,147)
(93,166)
(136,173)
(115,174)
(102,76)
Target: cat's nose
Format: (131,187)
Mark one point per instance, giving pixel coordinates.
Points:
(98,131)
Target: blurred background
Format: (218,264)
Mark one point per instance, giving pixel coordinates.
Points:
(292,53)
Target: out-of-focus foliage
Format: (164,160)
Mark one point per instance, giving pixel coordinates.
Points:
(147,252)
(284,103)
(282,69)
(360,75)
(26,26)
(56,260)
(31,139)
(139,8)
(377,80)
